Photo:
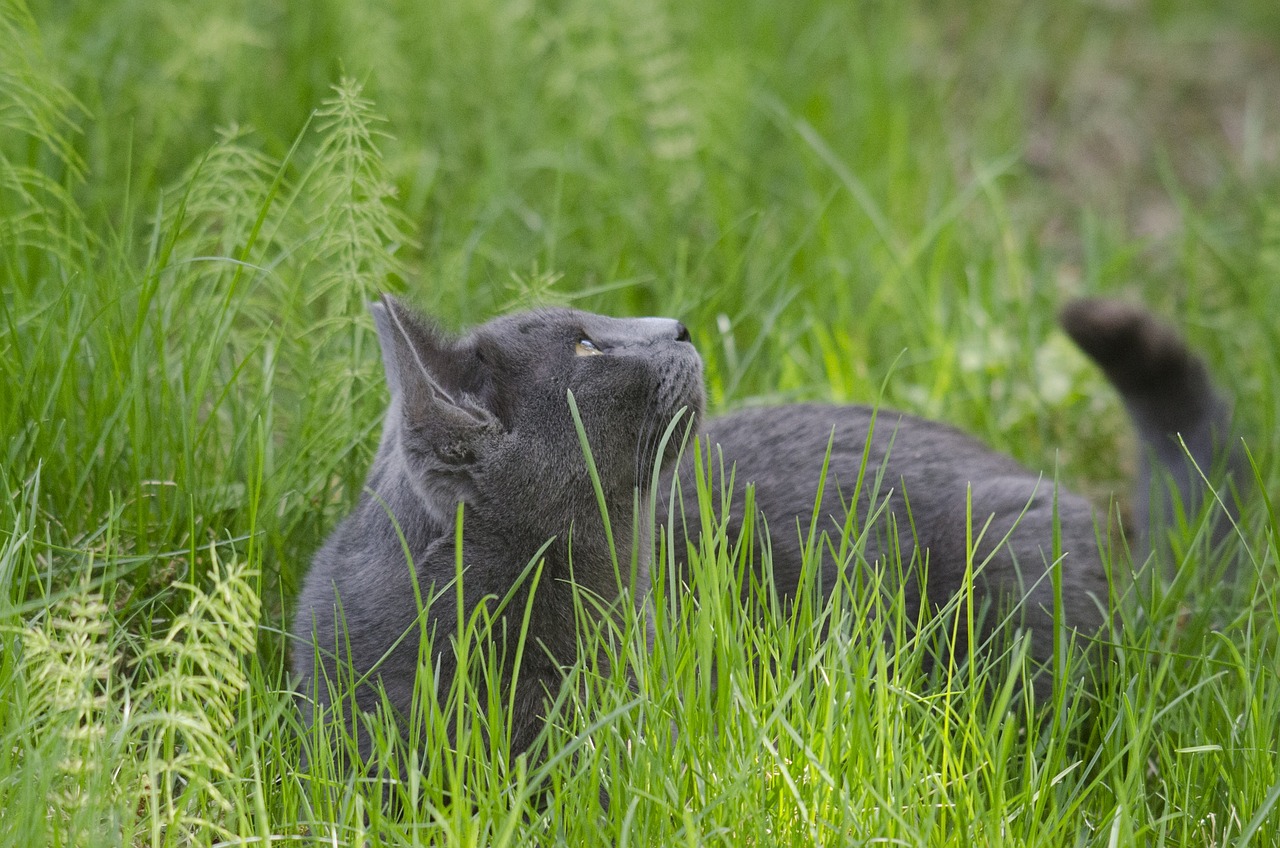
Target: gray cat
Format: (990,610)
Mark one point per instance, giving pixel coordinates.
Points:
(484,421)
(945,504)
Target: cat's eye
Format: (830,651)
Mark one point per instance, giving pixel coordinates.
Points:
(586,347)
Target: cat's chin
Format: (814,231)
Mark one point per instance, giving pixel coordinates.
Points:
(680,393)
(682,402)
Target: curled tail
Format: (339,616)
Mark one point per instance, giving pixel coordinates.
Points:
(1172,401)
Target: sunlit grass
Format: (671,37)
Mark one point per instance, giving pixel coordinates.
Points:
(850,201)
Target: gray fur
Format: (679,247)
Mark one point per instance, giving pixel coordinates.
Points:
(919,478)
(483,421)
(1183,422)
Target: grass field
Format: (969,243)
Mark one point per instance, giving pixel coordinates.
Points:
(852,201)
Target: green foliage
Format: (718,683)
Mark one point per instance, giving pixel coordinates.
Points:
(106,749)
(848,201)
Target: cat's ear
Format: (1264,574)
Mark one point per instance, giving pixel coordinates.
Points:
(408,344)
(440,424)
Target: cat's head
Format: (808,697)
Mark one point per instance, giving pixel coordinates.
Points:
(484,418)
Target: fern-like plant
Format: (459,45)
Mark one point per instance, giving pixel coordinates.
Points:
(155,746)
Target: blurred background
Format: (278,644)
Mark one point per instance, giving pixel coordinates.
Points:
(847,201)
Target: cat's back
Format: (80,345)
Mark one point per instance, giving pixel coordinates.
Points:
(786,447)
(909,484)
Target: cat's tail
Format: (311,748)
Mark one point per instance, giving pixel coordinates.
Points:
(1189,452)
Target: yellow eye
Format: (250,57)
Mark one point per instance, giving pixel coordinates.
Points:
(586,347)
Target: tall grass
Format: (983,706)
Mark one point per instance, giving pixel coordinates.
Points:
(197,199)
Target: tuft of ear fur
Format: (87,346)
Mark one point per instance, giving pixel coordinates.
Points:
(442,430)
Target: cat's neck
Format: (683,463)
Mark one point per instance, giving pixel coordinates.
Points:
(578,550)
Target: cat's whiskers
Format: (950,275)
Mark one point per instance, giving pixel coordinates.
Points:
(644,449)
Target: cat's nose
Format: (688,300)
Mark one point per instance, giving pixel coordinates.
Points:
(619,333)
(656,330)
(672,330)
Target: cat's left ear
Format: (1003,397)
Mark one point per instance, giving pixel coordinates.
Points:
(444,433)
(411,348)
(425,377)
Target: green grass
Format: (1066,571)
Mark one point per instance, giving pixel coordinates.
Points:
(198,198)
